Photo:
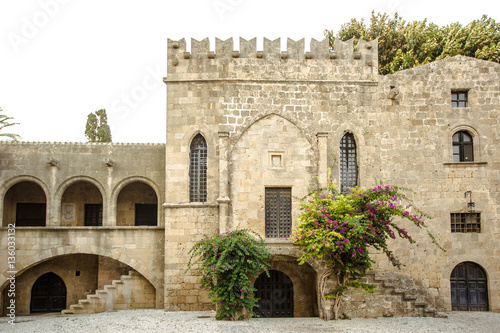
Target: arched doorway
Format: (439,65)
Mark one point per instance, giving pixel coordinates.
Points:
(48,294)
(275,294)
(469,288)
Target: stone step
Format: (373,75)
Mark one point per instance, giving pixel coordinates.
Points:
(440,315)
(100,301)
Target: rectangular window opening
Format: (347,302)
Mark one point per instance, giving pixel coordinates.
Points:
(93,215)
(30,214)
(278,212)
(459,99)
(465,222)
(146,214)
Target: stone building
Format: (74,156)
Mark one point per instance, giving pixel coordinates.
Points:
(109,226)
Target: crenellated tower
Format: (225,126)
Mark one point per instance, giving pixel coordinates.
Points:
(321,63)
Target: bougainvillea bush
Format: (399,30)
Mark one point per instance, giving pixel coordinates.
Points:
(341,229)
(226,262)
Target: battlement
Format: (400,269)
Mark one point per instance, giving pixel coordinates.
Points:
(341,63)
(71,144)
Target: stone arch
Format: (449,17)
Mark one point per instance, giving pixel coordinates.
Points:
(56,213)
(270,135)
(476,142)
(477,259)
(39,257)
(304,279)
(129,180)
(24,178)
(467,279)
(52,295)
(252,120)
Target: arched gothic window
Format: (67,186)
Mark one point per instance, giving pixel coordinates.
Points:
(198,170)
(348,163)
(463,148)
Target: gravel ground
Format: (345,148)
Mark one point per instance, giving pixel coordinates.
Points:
(180,322)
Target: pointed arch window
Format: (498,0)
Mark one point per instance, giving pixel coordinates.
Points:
(348,163)
(463,148)
(198,170)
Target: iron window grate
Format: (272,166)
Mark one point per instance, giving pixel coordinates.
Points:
(198,170)
(465,222)
(348,163)
(278,212)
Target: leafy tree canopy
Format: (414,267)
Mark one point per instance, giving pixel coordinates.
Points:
(4,122)
(403,45)
(97,129)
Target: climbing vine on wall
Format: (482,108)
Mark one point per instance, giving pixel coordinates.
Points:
(227,262)
(341,229)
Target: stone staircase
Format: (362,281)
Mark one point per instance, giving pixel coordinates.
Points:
(396,295)
(131,291)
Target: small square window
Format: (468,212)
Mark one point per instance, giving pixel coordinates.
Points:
(459,99)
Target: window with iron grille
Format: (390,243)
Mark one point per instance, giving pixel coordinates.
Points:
(465,222)
(459,99)
(463,147)
(278,212)
(348,163)
(198,170)
(93,215)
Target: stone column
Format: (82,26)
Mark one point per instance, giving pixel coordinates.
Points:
(223,199)
(323,157)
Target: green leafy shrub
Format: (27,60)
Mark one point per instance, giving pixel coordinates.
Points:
(227,262)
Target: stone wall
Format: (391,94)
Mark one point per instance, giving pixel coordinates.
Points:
(78,285)
(273,101)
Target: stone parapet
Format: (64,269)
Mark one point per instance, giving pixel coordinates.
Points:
(247,63)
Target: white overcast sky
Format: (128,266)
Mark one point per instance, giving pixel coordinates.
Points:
(62,59)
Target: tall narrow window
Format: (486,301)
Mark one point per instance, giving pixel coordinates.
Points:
(348,163)
(198,170)
(93,215)
(462,147)
(278,212)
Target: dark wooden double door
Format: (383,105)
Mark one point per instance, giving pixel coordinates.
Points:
(275,294)
(48,294)
(469,288)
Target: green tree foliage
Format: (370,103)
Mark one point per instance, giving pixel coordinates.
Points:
(404,44)
(4,122)
(340,229)
(97,129)
(226,262)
